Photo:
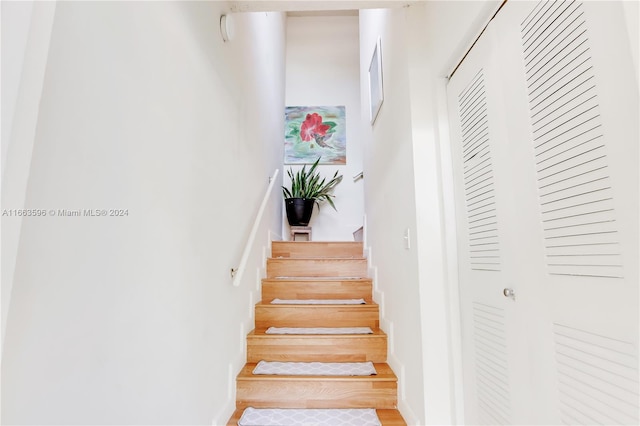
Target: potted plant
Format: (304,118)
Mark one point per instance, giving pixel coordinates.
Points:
(307,189)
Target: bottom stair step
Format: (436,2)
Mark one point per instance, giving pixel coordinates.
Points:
(385,417)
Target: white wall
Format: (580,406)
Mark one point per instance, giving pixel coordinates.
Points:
(323,70)
(26,27)
(390,203)
(133,320)
(631,10)
(15,33)
(404,191)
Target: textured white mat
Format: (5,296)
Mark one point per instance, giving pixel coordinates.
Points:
(318,302)
(295,278)
(309,417)
(319,330)
(316,368)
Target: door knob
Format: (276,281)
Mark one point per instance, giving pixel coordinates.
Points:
(508,292)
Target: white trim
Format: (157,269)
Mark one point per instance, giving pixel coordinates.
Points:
(364,234)
(240,359)
(388,327)
(491,9)
(448,213)
(450,249)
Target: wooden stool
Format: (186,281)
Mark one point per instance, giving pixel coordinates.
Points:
(300,230)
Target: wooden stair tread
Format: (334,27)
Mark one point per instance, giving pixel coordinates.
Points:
(390,417)
(316,267)
(316,248)
(385,374)
(319,259)
(301,288)
(322,279)
(317,347)
(318,242)
(387,417)
(363,306)
(317,393)
(337,242)
(377,332)
(268,315)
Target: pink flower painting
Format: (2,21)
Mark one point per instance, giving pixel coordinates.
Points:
(312,132)
(313,129)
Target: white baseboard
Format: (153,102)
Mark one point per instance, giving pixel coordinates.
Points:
(234,367)
(408,414)
(229,407)
(387,326)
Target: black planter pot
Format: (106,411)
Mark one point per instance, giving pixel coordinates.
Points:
(299,211)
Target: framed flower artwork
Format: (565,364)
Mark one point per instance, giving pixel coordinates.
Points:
(312,132)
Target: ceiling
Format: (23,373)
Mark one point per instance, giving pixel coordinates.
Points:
(297,6)
(299,13)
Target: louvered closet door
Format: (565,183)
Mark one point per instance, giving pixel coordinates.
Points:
(582,100)
(493,344)
(565,170)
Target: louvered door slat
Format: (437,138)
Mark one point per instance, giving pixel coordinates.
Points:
(492,372)
(479,191)
(576,198)
(598,377)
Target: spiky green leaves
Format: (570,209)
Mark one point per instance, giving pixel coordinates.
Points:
(308,184)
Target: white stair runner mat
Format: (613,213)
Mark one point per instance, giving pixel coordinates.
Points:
(309,417)
(296,278)
(316,368)
(319,330)
(318,302)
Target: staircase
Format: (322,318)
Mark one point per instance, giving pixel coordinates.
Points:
(299,271)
